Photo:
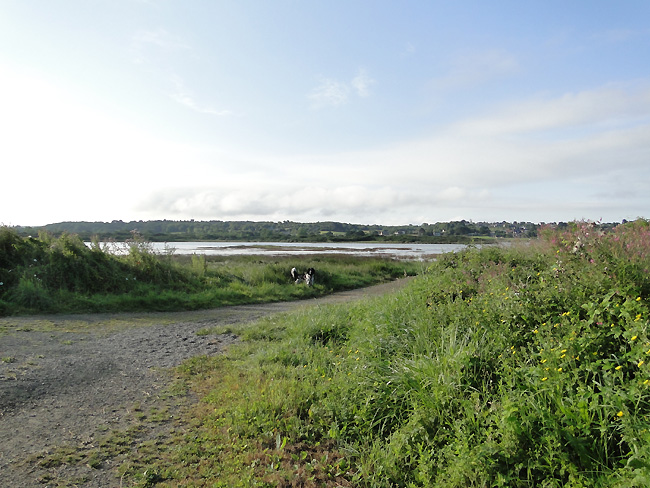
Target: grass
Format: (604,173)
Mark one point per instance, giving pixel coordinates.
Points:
(63,275)
(518,367)
(521,367)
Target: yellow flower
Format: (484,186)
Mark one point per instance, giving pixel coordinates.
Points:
(544,378)
(633,338)
(620,413)
(559,370)
(618,367)
(535,331)
(638,299)
(640,363)
(563,350)
(646,382)
(543,361)
(562,356)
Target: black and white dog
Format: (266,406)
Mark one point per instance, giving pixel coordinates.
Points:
(308,277)
(295,276)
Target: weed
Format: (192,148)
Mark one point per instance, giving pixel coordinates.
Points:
(525,366)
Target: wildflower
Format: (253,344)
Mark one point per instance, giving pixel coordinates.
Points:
(646,382)
(633,338)
(638,299)
(640,363)
(544,378)
(620,413)
(562,356)
(563,351)
(543,361)
(559,370)
(618,367)
(535,331)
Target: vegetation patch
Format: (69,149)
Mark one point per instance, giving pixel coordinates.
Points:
(64,275)
(519,367)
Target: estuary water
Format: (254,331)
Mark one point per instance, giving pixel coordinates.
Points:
(398,250)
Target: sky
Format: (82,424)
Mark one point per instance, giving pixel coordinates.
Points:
(359,111)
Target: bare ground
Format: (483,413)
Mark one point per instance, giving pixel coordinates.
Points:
(75,386)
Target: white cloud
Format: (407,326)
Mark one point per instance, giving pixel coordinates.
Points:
(183,96)
(361,83)
(508,165)
(606,107)
(331,92)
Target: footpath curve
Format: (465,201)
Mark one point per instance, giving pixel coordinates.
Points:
(69,380)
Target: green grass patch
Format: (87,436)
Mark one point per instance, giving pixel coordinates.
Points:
(63,275)
(517,367)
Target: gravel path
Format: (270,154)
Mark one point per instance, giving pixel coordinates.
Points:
(69,380)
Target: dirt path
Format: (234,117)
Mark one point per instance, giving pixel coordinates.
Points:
(72,380)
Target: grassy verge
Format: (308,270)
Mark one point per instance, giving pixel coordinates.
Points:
(514,367)
(63,275)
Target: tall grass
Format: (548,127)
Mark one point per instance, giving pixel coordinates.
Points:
(519,367)
(54,275)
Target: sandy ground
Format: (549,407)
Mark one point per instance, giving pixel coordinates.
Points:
(70,380)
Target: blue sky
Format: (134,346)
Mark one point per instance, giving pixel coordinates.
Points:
(369,111)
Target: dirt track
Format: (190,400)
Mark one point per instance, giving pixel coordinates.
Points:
(69,380)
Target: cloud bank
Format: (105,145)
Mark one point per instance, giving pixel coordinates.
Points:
(592,146)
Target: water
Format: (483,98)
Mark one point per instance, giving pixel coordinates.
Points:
(380,249)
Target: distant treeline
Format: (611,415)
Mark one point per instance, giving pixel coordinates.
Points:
(462,231)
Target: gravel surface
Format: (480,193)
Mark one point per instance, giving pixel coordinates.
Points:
(72,380)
